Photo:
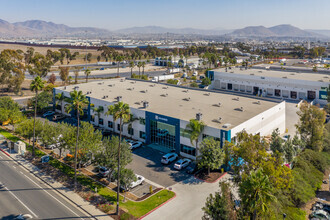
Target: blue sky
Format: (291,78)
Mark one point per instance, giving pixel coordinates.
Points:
(206,14)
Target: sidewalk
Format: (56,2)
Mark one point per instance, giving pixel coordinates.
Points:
(62,190)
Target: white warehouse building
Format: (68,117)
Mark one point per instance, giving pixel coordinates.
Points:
(280,84)
(163,111)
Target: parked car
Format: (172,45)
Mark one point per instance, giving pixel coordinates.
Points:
(49,113)
(139,181)
(135,145)
(319,214)
(103,171)
(58,117)
(192,169)
(181,164)
(53,146)
(168,158)
(321,206)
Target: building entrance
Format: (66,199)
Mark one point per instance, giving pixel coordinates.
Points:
(162,134)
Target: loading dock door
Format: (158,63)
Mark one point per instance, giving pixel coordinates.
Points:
(255,90)
(293,95)
(230,86)
(311,94)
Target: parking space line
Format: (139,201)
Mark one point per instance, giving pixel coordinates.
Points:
(153,183)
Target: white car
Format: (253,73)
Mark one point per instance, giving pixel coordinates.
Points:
(168,158)
(135,145)
(139,181)
(53,146)
(181,164)
(49,113)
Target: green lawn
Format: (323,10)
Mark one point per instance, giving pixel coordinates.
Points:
(136,209)
(9,135)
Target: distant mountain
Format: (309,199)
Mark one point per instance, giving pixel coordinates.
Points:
(284,30)
(39,28)
(163,30)
(322,32)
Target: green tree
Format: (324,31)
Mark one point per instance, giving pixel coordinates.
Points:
(76,70)
(77,103)
(119,58)
(311,125)
(195,128)
(127,176)
(64,74)
(121,112)
(36,85)
(211,155)
(98,111)
(194,84)
(206,81)
(276,143)
(87,73)
(221,205)
(139,65)
(143,64)
(60,99)
(256,193)
(131,65)
(39,65)
(9,111)
(326,140)
(44,99)
(28,128)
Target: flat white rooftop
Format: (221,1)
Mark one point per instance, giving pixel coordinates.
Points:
(177,102)
(314,77)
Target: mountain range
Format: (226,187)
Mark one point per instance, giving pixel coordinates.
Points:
(39,28)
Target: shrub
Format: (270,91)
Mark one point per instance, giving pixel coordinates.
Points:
(125,216)
(317,159)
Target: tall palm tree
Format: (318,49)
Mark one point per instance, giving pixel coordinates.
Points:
(143,64)
(121,112)
(139,65)
(119,58)
(36,85)
(60,98)
(256,193)
(195,128)
(87,73)
(131,65)
(98,111)
(77,103)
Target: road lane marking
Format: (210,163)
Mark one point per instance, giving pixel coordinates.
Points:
(21,202)
(52,196)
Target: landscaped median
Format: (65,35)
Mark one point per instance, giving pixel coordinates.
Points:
(134,208)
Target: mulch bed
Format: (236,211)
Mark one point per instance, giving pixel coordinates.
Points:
(147,195)
(212,177)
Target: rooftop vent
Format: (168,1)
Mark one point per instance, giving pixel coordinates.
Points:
(187,99)
(119,98)
(325,77)
(186,90)
(252,74)
(239,109)
(131,89)
(199,116)
(165,87)
(260,71)
(284,77)
(321,80)
(226,125)
(207,94)
(76,88)
(100,83)
(104,97)
(164,95)
(236,99)
(122,80)
(111,85)
(218,120)
(145,104)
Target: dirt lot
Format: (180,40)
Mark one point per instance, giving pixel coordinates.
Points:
(43,50)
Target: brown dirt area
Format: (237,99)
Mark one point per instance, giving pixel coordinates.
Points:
(212,177)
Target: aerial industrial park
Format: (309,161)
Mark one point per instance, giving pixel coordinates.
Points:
(155,119)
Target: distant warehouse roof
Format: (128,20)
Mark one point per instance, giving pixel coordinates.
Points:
(177,102)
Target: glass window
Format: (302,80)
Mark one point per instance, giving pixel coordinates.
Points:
(142,121)
(130,131)
(100,121)
(118,127)
(188,150)
(142,135)
(215,138)
(93,118)
(185,133)
(110,124)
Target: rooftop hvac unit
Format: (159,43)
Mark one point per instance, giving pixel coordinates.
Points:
(145,104)
(199,116)
(119,98)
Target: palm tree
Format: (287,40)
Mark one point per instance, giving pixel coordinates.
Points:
(256,193)
(195,127)
(87,73)
(77,103)
(60,98)
(143,64)
(131,65)
(119,58)
(139,65)
(36,85)
(98,111)
(119,111)
(130,121)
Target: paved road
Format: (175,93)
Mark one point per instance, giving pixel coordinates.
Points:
(21,192)
(105,74)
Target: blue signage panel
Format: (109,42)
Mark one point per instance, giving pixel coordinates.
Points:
(164,119)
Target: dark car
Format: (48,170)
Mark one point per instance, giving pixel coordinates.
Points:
(192,169)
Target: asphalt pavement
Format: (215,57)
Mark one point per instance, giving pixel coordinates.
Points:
(22,193)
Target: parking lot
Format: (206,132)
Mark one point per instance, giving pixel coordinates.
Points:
(146,162)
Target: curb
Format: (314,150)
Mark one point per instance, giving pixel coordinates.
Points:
(145,215)
(39,177)
(5,152)
(211,181)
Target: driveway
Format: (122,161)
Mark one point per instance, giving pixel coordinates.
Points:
(146,162)
(190,198)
